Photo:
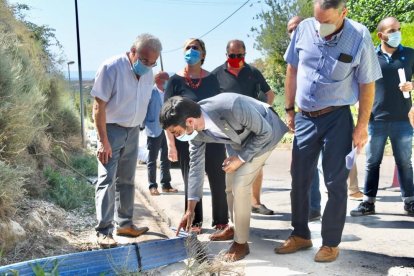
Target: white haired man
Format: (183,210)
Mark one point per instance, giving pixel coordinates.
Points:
(122,90)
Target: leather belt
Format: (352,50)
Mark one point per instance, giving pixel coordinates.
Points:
(321,112)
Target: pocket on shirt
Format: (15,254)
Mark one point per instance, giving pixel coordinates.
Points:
(341,70)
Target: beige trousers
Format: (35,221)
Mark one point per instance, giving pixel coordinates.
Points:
(353,180)
(238,190)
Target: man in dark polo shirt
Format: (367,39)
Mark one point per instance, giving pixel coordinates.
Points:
(239,77)
(389,118)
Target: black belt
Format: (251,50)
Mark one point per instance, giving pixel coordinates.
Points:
(321,112)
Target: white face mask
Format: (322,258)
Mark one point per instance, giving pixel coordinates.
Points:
(325,29)
(394,39)
(188,137)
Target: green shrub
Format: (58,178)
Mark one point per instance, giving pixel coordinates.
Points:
(68,192)
(85,164)
(11,188)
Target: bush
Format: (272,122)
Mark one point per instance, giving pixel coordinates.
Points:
(85,164)
(68,192)
(11,191)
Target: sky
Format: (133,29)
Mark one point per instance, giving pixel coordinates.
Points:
(109,28)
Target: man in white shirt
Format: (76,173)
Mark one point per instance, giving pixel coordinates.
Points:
(122,90)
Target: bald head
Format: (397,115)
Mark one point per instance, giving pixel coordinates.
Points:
(161,78)
(386,23)
(293,23)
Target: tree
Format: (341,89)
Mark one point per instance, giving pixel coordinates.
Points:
(371,12)
(42,34)
(272,37)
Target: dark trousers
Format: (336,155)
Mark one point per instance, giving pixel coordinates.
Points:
(215,155)
(332,134)
(155,145)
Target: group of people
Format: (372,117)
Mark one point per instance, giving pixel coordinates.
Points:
(216,124)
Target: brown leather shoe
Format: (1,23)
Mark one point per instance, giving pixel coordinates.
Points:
(327,254)
(154,192)
(106,241)
(293,244)
(356,196)
(169,190)
(131,231)
(236,252)
(223,235)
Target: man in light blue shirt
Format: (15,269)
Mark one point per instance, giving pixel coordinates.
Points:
(331,65)
(156,141)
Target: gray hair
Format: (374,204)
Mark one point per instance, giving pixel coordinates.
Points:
(331,4)
(147,41)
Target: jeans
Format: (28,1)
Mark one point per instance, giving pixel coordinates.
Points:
(332,134)
(115,189)
(154,145)
(315,193)
(401,136)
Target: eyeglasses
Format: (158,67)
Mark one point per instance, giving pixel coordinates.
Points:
(147,63)
(235,55)
(194,47)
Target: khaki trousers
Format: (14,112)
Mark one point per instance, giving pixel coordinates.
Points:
(238,191)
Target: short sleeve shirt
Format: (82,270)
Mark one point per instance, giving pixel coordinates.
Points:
(248,82)
(127,97)
(389,103)
(323,77)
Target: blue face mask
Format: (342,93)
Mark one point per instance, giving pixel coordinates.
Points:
(187,137)
(192,56)
(394,39)
(139,68)
(165,85)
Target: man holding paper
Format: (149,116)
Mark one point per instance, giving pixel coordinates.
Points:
(331,65)
(389,117)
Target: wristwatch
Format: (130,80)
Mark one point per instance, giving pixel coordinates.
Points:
(287,109)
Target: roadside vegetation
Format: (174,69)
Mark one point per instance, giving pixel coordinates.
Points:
(39,124)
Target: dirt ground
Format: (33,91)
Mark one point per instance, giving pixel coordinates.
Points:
(51,231)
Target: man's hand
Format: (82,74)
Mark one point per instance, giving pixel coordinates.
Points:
(104,152)
(411,116)
(360,137)
(231,164)
(172,154)
(406,87)
(186,222)
(290,120)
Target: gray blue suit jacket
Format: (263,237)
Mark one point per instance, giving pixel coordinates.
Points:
(152,119)
(252,126)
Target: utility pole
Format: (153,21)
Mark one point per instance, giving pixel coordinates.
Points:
(162,65)
(80,75)
(70,84)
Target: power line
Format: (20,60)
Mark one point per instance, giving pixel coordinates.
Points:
(212,29)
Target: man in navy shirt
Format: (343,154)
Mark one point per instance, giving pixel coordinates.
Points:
(236,76)
(331,65)
(389,118)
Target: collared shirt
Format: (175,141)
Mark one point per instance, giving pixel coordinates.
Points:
(126,97)
(248,82)
(212,127)
(389,103)
(160,93)
(323,77)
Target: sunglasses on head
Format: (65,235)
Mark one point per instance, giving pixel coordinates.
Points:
(194,47)
(235,55)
